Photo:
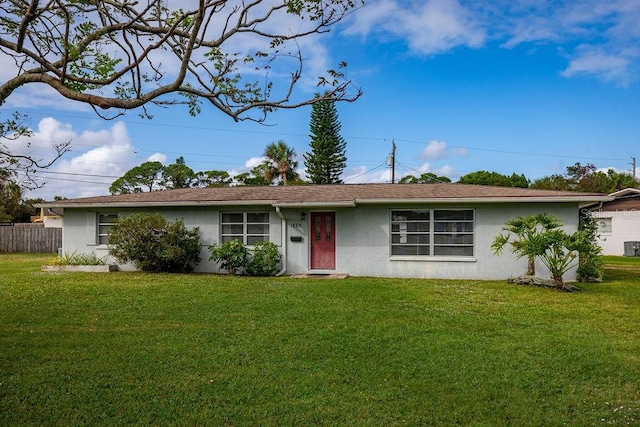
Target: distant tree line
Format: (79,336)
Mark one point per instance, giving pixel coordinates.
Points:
(578,177)
(324,163)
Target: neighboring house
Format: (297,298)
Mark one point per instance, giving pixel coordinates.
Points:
(51,218)
(385,230)
(619,223)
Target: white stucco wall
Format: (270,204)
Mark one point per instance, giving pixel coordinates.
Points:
(362,239)
(80,230)
(52,221)
(625,227)
(363,245)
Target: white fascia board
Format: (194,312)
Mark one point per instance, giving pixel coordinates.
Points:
(475,200)
(161,204)
(337,204)
(625,192)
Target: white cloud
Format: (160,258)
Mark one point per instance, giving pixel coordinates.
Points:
(439,26)
(157,157)
(89,173)
(436,150)
(253,162)
(248,165)
(596,61)
(362,175)
(429,28)
(611,28)
(446,170)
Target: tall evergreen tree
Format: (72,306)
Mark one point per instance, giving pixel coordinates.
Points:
(327,158)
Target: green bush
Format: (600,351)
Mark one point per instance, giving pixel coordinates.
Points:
(79,259)
(590,267)
(265,259)
(153,244)
(232,256)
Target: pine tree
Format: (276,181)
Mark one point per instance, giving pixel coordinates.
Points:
(327,158)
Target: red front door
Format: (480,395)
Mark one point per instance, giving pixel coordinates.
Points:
(323,240)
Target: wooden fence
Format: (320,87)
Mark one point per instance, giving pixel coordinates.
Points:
(30,238)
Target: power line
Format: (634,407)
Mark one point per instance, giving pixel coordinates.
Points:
(352,137)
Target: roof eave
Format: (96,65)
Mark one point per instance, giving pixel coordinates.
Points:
(475,200)
(326,205)
(159,204)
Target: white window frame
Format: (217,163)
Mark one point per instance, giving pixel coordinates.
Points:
(103,227)
(429,235)
(605,225)
(246,236)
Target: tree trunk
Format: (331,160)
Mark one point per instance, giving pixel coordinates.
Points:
(531,266)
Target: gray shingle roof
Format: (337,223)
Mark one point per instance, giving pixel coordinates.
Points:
(326,195)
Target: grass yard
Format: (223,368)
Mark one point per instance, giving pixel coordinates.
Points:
(134,348)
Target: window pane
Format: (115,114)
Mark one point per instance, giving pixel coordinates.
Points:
(258,228)
(261,217)
(233,229)
(248,228)
(409,250)
(232,218)
(455,227)
(107,218)
(418,227)
(410,215)
(453,250)
(411,238)
(605,225)
(256,239)
(104,229)
(442,215)
(444,232)
(453,239)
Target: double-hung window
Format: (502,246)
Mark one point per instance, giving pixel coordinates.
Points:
(432,232)
(246,227)
(105,222)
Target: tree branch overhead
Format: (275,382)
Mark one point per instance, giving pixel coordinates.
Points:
(123,55)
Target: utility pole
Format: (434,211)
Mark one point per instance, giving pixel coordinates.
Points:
(633,167)
(391,161)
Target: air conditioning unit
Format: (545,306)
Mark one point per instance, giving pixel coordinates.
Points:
(631,248)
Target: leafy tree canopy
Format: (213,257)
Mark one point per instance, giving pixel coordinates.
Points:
(178,175)
(123,55)
(586,178)
(251,179)
(279,163)
(145,177)
(425,178)
(494,178)
(213,178)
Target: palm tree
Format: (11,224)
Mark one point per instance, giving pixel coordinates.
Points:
(525,231)
(279,162)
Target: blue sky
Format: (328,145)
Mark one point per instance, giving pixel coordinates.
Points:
(508,86)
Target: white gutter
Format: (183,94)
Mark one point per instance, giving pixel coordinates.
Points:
(326,205)
(477,200)
(284,241)
(140,204)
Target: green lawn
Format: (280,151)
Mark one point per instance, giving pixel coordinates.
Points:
(135,348)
